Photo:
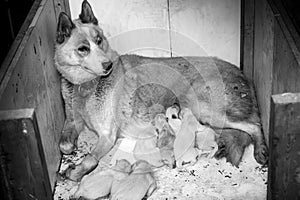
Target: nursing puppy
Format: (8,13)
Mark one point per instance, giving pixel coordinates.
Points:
(104,92)
(139,184)
(98,185)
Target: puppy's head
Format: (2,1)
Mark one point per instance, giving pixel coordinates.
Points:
(122,166)
(141,166)
(82,52)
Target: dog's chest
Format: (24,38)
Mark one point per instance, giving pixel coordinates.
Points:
(93,104)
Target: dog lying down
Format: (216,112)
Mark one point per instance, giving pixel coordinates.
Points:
(111,95)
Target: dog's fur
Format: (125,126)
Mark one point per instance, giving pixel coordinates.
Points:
(104,92)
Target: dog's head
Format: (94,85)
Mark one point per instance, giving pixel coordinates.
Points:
(82,52)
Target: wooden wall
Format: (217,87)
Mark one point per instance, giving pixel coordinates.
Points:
(30,80)
(170,27)
(274,66)
(271,59)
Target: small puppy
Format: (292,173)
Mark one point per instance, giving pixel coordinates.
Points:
(165,140)
(137,185)
(173,118)
(185,143)
(99,184)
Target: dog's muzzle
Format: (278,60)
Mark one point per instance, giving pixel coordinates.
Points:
(107,66)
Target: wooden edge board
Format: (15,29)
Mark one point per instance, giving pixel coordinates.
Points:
(16,114)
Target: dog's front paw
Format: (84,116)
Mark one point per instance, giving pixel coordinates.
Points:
(68,141)
(66,146)
(261,154)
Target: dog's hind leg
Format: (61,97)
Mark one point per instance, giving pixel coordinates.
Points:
(254,130)
(249,124)
(231,144)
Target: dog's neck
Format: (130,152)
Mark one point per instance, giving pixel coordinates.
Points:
(87,88)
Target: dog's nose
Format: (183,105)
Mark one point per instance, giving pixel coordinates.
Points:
(107,65)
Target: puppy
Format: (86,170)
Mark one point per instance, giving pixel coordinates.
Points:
(99,184)
(137,185)
(165,140)
(173,118)
(185,143)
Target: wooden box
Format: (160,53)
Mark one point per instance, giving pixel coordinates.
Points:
(29,80)
(30,96)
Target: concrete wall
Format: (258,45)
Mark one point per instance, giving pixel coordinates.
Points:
(170,27)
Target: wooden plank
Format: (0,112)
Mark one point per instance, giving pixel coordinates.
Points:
(284,166)
(23,165)
(207,27)
(247,38)
(263,60)
(32,81)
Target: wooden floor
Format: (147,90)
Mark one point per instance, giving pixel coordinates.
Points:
(170,27)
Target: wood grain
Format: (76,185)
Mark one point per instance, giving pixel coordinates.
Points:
(61,6)
(286,69)
(20,39)
(23,167)
(31,81)
(263,60)
(284,166)
(247,37)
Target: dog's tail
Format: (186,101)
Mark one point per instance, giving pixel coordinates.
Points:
(231,145)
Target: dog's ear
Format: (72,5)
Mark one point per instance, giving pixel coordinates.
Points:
(87,15)
(64,27)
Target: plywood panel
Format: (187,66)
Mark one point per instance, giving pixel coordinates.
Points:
(32,81)
(132,26)
(206,27)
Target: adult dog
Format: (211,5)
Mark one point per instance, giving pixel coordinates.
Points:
(108,94)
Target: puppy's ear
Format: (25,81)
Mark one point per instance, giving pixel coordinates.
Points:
(64,27)
(87,15)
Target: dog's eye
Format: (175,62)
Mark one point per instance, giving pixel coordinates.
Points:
(98,40)
(83,50)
